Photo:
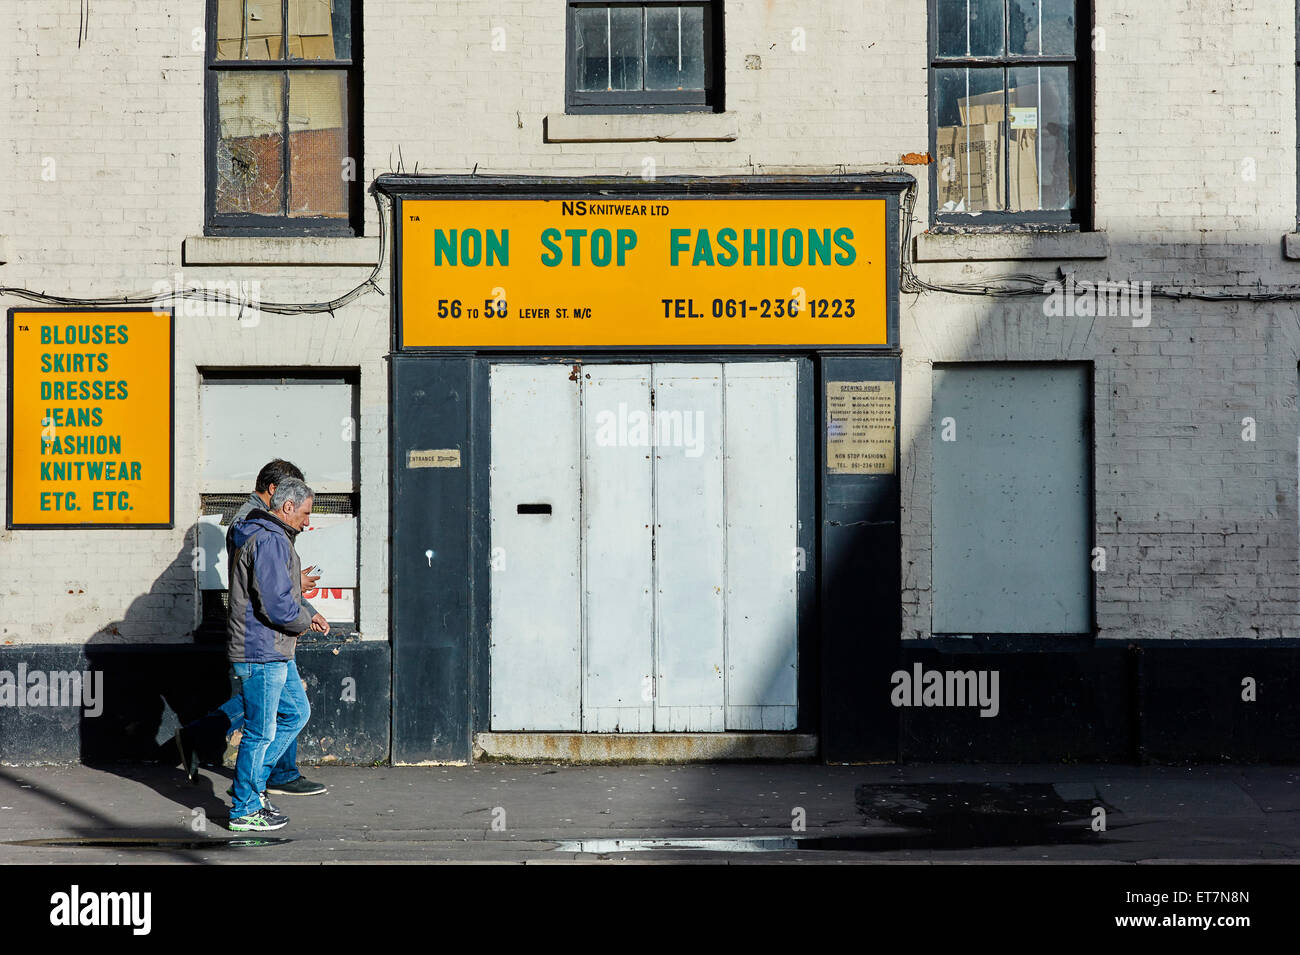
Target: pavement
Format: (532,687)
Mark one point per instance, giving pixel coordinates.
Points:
(732,812)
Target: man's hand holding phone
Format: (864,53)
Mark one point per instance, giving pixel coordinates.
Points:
(308,578)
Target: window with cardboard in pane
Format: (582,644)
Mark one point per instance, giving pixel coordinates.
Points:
(1005,86)
(283,134)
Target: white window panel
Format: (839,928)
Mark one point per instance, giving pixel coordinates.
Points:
(247,424)
(330,543)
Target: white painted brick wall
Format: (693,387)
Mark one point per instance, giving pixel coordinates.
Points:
(1200,527)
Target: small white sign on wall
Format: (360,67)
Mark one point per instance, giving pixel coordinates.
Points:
(1024,117)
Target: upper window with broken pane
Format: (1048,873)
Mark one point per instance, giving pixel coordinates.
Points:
(283,134)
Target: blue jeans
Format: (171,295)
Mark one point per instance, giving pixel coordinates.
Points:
(209,734)
(286,769)
(275,711)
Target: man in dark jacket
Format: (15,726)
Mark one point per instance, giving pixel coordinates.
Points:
(212,729)
(266,617)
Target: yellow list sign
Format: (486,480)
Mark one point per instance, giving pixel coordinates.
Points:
(642,272)
(90,418)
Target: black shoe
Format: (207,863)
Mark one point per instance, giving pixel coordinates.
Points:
(302,786)
(264,820)
(189,758)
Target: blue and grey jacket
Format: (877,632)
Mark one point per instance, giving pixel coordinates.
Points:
(267,612)
(250,503)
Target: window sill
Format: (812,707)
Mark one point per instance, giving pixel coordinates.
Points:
(1010,246)
(1290,246)
(280,250)
(640,128)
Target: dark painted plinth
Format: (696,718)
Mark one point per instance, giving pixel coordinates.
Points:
(1192,708)
(1114,702)
(1052,707)
(150,690)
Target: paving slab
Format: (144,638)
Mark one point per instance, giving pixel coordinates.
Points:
(737,813)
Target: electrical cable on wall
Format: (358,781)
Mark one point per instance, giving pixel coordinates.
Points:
(211,295)
(1022,283)
(1005,286)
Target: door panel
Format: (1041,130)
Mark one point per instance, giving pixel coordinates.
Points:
(536,592)
(618,584)
(689,552)
(762,534)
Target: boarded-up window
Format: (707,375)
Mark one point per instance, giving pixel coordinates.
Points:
(1011,500)
(310,421)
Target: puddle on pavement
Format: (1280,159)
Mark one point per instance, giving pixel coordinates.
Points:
(164,845)
(975,815)
(929,815)
(741,844)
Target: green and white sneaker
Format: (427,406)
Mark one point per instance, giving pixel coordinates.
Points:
(264,820)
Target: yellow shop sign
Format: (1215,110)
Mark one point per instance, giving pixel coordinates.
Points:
(624,271)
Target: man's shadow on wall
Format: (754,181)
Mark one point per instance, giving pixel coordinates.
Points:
(151,689)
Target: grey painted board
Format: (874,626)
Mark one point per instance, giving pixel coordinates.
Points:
(246,425)
(1011,507)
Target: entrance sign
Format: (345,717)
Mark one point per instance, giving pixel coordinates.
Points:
(632,271)
(90,418)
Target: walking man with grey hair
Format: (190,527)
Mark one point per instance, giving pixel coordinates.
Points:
(209,731)
(265,619)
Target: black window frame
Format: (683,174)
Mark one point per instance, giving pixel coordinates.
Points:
(1076,219)
(257,224)
(708,100)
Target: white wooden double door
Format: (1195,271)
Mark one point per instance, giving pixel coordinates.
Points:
(644,525)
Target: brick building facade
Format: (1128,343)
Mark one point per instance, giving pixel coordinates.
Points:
(1184,138)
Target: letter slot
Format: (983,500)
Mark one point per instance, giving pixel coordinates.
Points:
(534,509)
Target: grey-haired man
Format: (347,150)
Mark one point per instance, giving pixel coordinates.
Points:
(265,619)
(285,778)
